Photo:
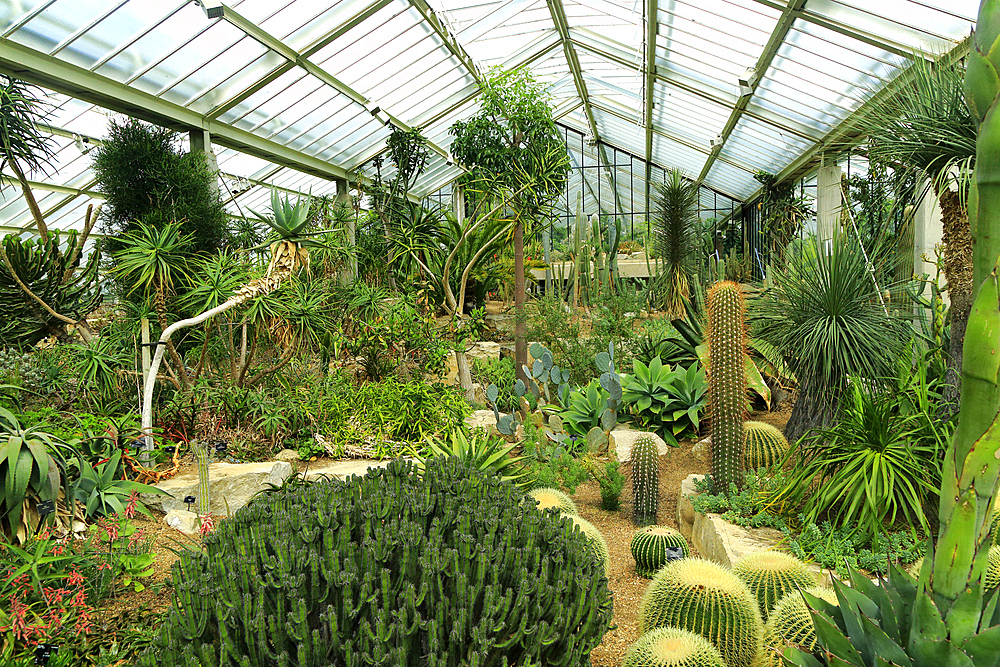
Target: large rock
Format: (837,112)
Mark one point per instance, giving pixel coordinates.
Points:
(623,436)
(231,486)
(702,450)
(340,469)
(182,520)
(685,508)
(484,419)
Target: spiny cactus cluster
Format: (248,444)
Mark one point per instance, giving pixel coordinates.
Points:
(649,548)
(709,600)
(672,647)
(770,575)
(594,537)
(763,445)
(546,498)
(791,624)
(727,382)
(645,480)
(991,577)
(449,567)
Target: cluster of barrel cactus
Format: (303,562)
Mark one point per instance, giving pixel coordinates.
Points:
(764,445)
(546,498)
(449,567)
(727,382)
(791,623)
(770,575)
(649,548)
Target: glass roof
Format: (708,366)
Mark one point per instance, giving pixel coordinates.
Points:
(296,93)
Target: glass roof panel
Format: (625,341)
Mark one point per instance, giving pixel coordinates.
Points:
(670,154)
(930,26)
(686,116)
(761,146)
(732,180)
(491,31)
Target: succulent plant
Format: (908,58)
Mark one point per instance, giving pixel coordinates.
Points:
(672,647)
(645,480)
(546,498)
(770,575)
(727,381)
(992,576)
(649,548)
(392,568)
(763,445)
(791,623)
(709,600)
(597,542)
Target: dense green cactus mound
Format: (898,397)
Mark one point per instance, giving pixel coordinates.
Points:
(672,647)
(709,600)
(763,445)
(393,568)
(645,480)
(594,537)
(649,548)
(791,623)
(547,498)
(770,575)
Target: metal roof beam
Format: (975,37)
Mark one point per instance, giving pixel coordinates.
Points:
(52,187)
(444,34)
(777,38)
(652,23)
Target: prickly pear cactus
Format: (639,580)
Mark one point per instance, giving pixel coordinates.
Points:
(547,498)
(770,575)
(763,445)
(645,481)
(672,647)
(597,541)
(709,600)
(791,623)
(649,548)
(727,381)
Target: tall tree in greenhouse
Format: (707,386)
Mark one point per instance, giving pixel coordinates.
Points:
(513,149)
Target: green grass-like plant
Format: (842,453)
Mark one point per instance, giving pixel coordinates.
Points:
(649,548)
(770,575)
(672,647)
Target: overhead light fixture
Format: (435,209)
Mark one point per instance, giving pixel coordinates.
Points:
(589,139)
(82,143)
(748,81)
(381,115)
(716,142)
(213,8)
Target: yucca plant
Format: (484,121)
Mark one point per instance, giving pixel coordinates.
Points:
(676,215)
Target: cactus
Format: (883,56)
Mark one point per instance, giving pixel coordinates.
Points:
(645,481)
(392,568)
(770,575)
(791,623)
(202,454)
(992,576)
(672,647)
(594,536)
(611,382)
(709,600)
(649,548)
(763,445)
(727,382)
(547,498)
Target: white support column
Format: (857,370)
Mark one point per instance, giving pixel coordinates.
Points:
(927,233)
(350,273)
(829,200)
(201,141)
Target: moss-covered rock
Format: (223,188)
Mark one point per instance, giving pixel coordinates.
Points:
(672,647)
(649,548)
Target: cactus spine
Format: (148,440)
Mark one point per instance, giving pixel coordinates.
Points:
(672,647)
(597,541)
(547,498)
(645,481)
(770,575)
(709,600)
(764,445)
(649,548)
(791,623)
(727,382)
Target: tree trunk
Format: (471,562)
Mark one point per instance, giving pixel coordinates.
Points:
(520,344)
(809,412)
(464,375)
(957,267)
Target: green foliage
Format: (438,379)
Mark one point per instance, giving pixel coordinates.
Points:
(770,575)
(385,537)
(548,497)
(672,647)
(649,548)
(791,624)
(101,492)
(52,270)
(763,445)
(612,481)
(727,379)
(749,506)
(153,259)
(586,405)
(146,179)
(478,449)
(288,221)
(645,481)
(499,373)
(674,227)
(705,598)
(668,399)
(22,144)
(842,547)
(409,411)
(553,466)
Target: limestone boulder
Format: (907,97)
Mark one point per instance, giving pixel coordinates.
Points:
(702,450)
(287,455)
(624,436)
(231,486)
(182,520)
(339,469)
(484,419)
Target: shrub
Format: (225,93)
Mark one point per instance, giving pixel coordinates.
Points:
(672,647)
(770,575)
(392,568)
(649,548)
(611,480)
(707,599)
(499,372)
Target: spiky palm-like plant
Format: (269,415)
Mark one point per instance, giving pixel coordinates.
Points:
(676,213)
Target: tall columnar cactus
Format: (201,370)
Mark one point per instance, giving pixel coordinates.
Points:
(394,568)
(649,548)
(709,600)
(727,381)
(645,481)
(770,575)
(597,542)
(202,452)
(792,624)
(546,498)
(672,647)
(763,445)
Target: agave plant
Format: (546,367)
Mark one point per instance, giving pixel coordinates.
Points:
(483,451)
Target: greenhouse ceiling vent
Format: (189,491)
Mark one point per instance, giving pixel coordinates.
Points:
(213,8)
(748,81)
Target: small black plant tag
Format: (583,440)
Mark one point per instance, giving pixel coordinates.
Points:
(674,553)
(189,500)
(46,507)
(221,447)
(169,449)
(43,652)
